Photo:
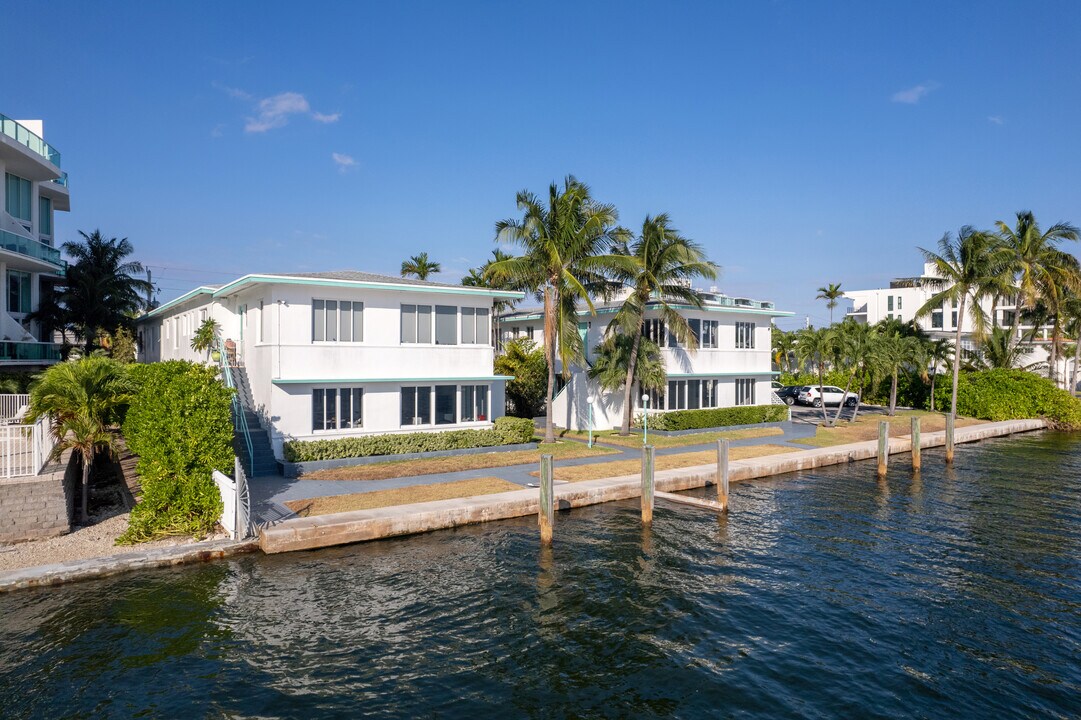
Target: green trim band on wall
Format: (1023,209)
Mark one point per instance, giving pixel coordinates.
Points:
(201,290)
(326,381)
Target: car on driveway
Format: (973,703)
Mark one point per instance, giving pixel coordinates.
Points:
(788,393)
(829,394)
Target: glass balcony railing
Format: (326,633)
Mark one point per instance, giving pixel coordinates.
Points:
(62,180)
(30,248)
(23,136)
(29,351)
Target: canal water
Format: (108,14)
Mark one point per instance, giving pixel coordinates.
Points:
(823,594)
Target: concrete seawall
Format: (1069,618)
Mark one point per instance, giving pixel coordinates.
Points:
(361,525)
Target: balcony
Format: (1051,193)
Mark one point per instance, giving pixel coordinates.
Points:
(23,136)
(29,352)
(31,248)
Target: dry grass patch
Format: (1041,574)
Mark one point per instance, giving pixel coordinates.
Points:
(665,441)
(596,471)
(400,496)
(456,463)
(866,428)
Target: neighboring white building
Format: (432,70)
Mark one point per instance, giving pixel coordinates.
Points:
(731,367)
(905,296)
(339,354)
(34,189)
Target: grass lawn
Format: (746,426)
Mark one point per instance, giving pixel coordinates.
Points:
(866,428)
(400,496)
(578,473)
(666,441)
(454,463)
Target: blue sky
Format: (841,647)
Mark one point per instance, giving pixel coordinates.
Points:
(800,143)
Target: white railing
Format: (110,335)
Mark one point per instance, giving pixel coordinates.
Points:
(24,449)
(13,407)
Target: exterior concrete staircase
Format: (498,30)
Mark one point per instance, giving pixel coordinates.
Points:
(262,461)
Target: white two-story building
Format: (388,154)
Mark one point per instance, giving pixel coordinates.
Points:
(732,365)
(340,354)
(34,189)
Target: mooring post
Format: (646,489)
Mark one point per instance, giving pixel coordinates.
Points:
(949,438)
(722,474)
(647,484)
(546,513)
(916,460)
(883,447)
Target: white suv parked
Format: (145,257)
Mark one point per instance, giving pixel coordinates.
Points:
(832,395)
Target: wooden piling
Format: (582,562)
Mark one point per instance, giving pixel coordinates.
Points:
(883,447)
(647,484)
(949,438)
(916,459)
(546,512)
(722,474)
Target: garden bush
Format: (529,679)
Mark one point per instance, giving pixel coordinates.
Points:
(717,417)
(507,431)
(1009,395)
(179,424)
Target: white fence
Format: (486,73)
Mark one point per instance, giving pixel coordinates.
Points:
(24,449)
(13,407)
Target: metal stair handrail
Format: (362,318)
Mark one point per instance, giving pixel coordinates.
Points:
(240,420)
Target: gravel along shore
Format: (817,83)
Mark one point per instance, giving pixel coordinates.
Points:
(97,540)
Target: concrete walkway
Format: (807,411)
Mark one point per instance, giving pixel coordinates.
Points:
(270,493)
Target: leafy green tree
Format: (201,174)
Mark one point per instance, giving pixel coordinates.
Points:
(1001,349)
(525,362)
(206,336)
(894,352)
(939,352)
(830,293)
(969,268)
(783,346)
(100,289)
(612,359)
(81,400)
(567,243)
(855,343)
(420,267)
(664,265)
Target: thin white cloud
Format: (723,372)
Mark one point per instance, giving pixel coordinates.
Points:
(331,118)
(343,161)
(274,111)
(995,119)
(914,94)
(235,93)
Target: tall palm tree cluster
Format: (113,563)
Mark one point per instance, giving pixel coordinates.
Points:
(573,251)
(1018,264)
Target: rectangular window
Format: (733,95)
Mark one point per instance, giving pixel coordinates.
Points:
(936,319)
(656,399)
(417,405)
(709,393)
(469,326)
(709,334)
(416,324)
(484,326)
(474,403)
(409,323)
(677,394)
(745,391)
(18,291)
(334,408)
(528,331)
(745,335)
(446,411)
(694,389)
(446,330)
(424,324)
(696,330)
(653,328)
(889,303)
(1009,317)
(18,197)
(319,320)
(898,302)
(45,216)
(953,318)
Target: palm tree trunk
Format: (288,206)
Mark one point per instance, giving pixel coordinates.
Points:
(844,397)
(933,373)
(550,351)
(1052,366)
(957,357)
(628,390)
(1076,360)
(86,490)
(893,393)
(822,390)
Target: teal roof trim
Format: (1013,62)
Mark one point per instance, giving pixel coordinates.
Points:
(324,282)
(327,381)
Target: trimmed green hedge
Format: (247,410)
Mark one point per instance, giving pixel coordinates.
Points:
(180,425)
(507,431)
(1010,395)
(717,417)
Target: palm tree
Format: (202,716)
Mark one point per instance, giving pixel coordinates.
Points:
(1033,256)
(613,359)
(968,269)
(420,267)
(830,293)
(1072,325)
(1001,349)
(816,347)
(784,347)
(81,400)
(206,336)
(664,264)
(567,248)
(893,352)
(100,288)
(480,277)
(938,353)
(855,344)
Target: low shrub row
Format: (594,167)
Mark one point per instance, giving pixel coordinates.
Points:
(507,431)
(1010,395)
(179,424)
(717,417)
